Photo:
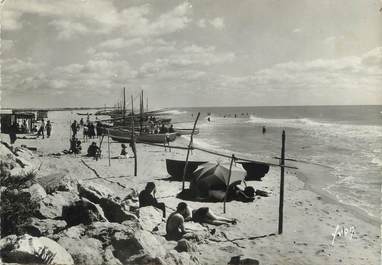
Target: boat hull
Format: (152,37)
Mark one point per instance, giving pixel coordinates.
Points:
(124,136)
(176,167)
(186,131)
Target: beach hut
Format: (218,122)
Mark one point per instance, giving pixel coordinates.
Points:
(22,118)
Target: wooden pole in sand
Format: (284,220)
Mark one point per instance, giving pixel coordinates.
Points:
(281,204)
(188,151)
(108,146)
(133,137)
(229,180)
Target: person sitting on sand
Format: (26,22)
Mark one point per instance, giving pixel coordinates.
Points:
(147,198)
(171,129)
(175,223)
(124,153)
(75,146)
(93,150)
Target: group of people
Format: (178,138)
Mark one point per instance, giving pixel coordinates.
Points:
(89,130)
(43,127)
(155,128)
(175,222)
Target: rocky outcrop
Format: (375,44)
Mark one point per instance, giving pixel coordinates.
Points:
(44,227)
(184,245)
(59,181)
(82,212)
(36,192)
(150,218)
(52,205)
(28,249)
(84,251)
(112,206)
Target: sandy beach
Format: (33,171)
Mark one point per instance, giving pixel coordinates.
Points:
(310,220)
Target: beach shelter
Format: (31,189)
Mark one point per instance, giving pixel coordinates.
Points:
(214,177)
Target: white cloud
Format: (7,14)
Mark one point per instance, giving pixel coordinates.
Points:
(218,23)
(119,43)
(98,16)
(202,23)
(297,30)
(67,29)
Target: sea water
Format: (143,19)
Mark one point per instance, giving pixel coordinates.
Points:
(346,141)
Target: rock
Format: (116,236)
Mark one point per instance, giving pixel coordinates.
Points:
(84,251)
(44,227)
(185,246)
(36,191)
(115,212)
(112,206)
(75,232)
(239,260)
(140,242)
(145,259)
(28,249)
(104,231)
(94,191)
(82,212)
(175,258)
(52,205)
(150,217)
(58,182)
(109,258)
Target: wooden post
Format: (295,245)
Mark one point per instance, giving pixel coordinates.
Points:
(133,137)
(108,145)
(188,151)
(229,180)
(282,163)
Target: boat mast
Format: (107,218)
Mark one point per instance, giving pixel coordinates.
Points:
(124,105)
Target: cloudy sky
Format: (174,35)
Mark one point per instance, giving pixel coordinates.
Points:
(57,53)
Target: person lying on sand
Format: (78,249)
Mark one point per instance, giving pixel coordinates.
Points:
(147,198)
(175,222)
(204,215)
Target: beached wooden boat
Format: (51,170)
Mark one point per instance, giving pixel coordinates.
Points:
(186,131)
(124,136)
(84,114)
(175,168)
(255,171)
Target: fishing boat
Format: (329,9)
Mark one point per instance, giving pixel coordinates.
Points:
(124,136)
(186,131)
(175,168)
(84,114)
(255,171)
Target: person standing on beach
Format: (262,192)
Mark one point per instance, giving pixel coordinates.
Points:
(74,128)
(41,130)
(12,133)
(48,128)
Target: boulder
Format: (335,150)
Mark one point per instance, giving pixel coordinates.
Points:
(140,242)
(184,245)
(94,191)
(75,232)
(150,218)
(109,258)
(112,206)
(175,258)
(28,249)
(82,212)
(199,233)
(36,191)
(241,260)
(104,231)
(145,259)
(58,181)
(44,227)
(84,251)
(115,212)
(52,205)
